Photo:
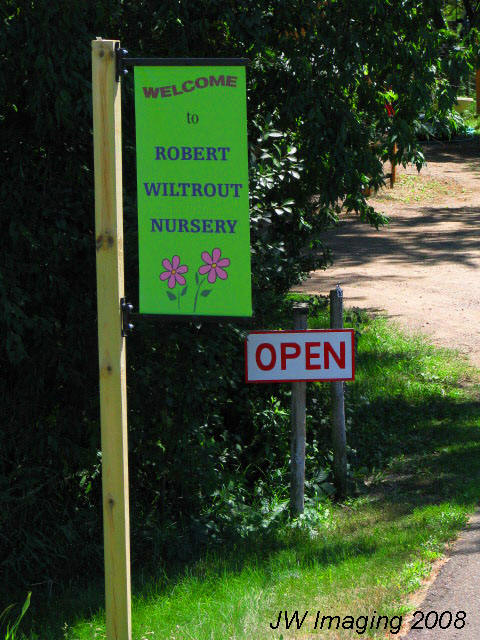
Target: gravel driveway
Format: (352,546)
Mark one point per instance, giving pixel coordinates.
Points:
(423,270)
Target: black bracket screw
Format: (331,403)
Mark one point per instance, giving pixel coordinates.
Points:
(120,69)
(126,309)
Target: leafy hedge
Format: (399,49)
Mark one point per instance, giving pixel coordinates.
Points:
(320,75)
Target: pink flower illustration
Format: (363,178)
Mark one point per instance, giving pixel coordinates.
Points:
(213,266)
(173,272)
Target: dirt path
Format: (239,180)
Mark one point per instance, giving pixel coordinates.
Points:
(455,590)
(423,270)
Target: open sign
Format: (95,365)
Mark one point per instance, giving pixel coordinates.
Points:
(290,356)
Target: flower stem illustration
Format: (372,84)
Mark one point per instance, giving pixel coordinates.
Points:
(200,283)
(174,274)
(213,268)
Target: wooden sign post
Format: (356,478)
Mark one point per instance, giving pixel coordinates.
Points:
(111,344)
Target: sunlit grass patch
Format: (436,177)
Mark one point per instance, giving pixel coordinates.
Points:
(420,188)
(413,417)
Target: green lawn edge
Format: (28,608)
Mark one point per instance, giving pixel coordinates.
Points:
(413,417)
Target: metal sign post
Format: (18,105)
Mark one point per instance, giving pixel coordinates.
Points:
(299,356)
(298,436)
(339,438)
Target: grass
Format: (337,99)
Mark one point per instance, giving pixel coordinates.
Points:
(419,188)
(413,417)
(471,119)
(10,622)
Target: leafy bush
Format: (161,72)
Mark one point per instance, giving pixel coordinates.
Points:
(442,127)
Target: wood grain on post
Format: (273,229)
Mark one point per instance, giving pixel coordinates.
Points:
(107,138)
(298,416)
(477,90)
(339,440)
(393,174)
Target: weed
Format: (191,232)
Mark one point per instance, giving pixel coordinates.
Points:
(10,631)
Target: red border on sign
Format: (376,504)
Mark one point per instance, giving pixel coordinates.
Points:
(352,331)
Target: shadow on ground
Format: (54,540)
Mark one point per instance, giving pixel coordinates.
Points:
(413,454)
(459,150)
(430,236)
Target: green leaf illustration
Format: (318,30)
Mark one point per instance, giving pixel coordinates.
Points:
(196,277)
(184,290)
(206,292)
(171,296)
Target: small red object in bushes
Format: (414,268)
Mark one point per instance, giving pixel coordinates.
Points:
(390,110)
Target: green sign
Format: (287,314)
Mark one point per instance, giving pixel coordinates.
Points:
(192,173)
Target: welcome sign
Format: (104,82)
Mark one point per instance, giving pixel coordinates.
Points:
(192,175)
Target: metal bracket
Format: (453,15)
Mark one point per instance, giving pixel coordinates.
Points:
(122,61)
(120,65)
(126,309)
